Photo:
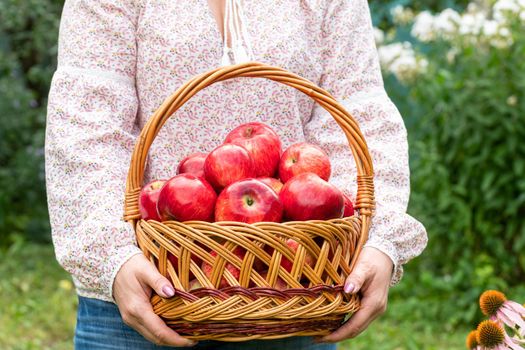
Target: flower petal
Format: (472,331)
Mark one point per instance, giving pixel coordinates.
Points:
(503,319)
(516,307)
(511,344)
(513,316)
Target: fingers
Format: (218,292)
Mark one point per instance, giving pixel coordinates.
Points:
(141,317)
(371,308)
(132,289)
(160,284)
(371,277)
(355,281)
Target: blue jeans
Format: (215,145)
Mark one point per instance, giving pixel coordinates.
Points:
(100,326)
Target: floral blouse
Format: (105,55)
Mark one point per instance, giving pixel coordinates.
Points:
(119,59)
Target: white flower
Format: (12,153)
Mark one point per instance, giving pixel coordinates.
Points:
(379,36)
(507,5)
(423,27)
(490,27)
(389,53)
(446,22)
(473,7)
(451,55)
(401,15)
(422,65)
(504,32)
(400,60)
(512,100)
(471,23)
(407,68)
(503,39)
(404,67)
(506,8)
(496,34)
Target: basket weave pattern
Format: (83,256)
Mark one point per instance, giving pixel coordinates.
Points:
(252,307)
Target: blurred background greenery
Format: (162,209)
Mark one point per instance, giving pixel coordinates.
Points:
(456,72)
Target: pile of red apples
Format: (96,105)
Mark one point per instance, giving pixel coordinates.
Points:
(248,179)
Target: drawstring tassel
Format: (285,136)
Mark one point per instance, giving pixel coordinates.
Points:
(240,49)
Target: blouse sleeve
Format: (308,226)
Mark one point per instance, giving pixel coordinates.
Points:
(89,138)
(352,74)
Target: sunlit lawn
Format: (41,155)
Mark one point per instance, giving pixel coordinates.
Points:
(37,310)
(37,300)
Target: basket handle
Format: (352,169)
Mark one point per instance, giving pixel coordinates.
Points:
(365,187)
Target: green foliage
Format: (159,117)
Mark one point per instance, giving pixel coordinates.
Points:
(28,35)
(466,127)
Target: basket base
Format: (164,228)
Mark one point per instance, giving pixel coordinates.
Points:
(243,330)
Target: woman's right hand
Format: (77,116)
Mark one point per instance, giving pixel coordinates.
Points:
(132,290)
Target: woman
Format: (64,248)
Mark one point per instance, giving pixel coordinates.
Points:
(119,59)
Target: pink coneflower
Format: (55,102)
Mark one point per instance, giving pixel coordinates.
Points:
(495,305)
(492,336)
(472,341)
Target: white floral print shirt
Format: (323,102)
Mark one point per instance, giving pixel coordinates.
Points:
(119,59)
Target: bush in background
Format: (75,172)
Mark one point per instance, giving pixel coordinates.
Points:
(28,35)
(383,12)
(465,103)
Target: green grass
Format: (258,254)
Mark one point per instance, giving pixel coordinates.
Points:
(391,333)
(37,300)
(38,303)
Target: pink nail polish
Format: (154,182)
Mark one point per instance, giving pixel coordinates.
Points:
(168,291)
(349,287)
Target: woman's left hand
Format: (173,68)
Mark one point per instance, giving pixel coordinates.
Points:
(371,276)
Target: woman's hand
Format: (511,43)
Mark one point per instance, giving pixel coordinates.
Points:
(371,276)
(132,291)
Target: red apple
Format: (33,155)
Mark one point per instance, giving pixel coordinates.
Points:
(261,142)
(175,262)
(148,198)
(194,284)
(293,245)
(227,164)
(274,183)
(308,197)
(192,164)
(280,284)
(208,269)
(304,158)
(349,207)
(248,201)
(186,197)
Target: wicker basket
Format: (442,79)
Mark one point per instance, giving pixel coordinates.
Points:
(314,303)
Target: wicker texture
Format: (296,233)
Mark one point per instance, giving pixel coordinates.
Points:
(252,308)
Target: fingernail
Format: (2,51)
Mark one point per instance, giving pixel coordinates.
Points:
(168,291)
(349,287)
(192,343)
